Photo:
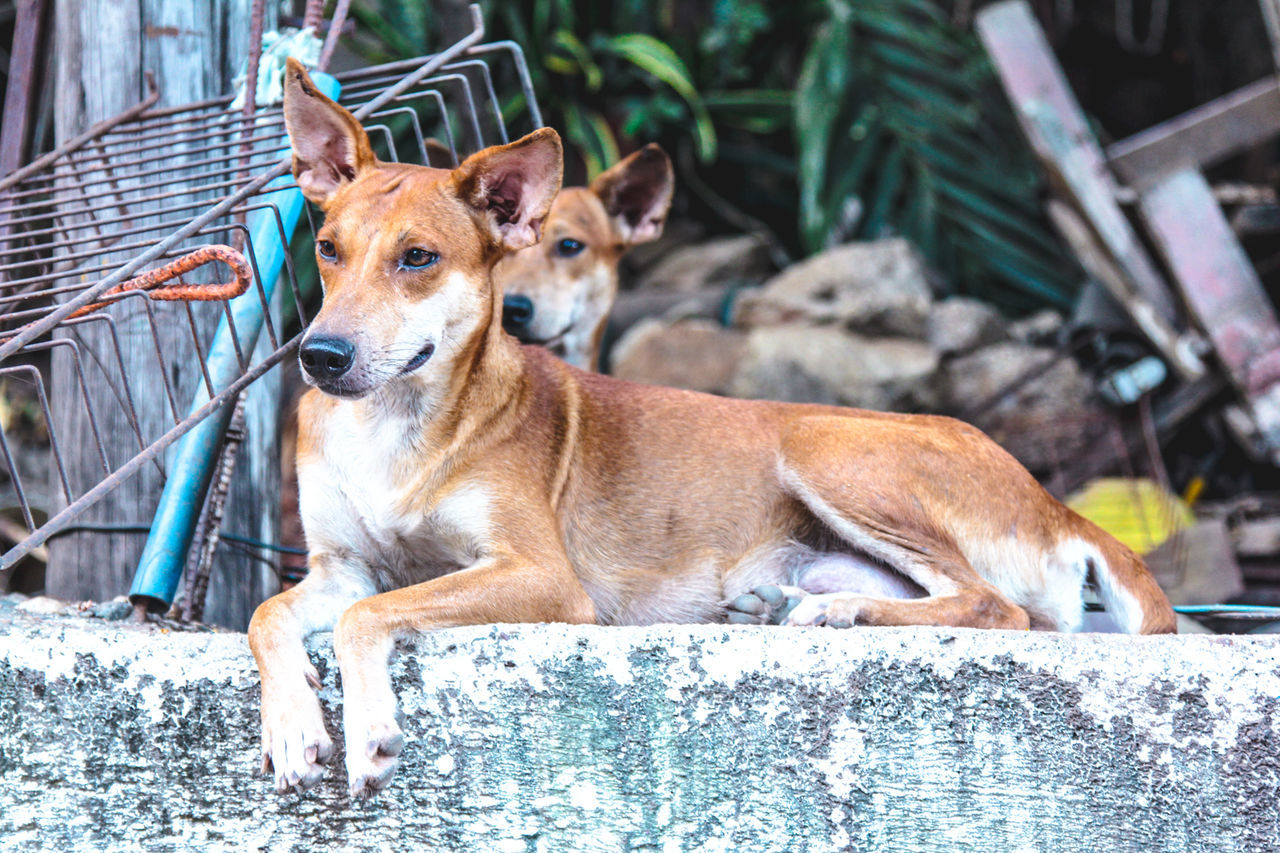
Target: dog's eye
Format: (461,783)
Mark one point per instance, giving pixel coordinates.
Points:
(416,259)
(568,247)
(327,250)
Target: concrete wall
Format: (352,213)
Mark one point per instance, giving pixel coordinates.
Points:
(548,738)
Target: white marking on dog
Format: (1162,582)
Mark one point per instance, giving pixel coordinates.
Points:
(1121,605)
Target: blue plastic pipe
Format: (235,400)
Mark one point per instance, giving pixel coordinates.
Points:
(174,525)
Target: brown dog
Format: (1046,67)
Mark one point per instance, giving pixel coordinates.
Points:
(558,293)
(450,476)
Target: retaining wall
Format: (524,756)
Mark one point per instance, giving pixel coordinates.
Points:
(551,738)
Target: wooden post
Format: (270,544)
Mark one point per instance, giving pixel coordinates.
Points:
(1059,134)
(194,49)
(1222,290)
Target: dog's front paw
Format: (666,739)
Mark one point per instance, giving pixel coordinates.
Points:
(373,751)
(765,605)
(294,743)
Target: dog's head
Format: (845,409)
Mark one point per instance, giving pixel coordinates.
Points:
(405,252)
(559,292)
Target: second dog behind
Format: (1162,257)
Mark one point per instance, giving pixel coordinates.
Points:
(558,293)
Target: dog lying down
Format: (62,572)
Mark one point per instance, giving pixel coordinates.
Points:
(451,476)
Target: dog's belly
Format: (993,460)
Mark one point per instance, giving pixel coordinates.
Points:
(817,571)
(699,591)
(854,574)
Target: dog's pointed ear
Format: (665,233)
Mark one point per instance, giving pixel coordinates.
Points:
(439,155)
(510,188)
(329,146)
(636,193)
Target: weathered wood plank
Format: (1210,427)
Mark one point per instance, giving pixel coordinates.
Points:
(1059,134)
(1271,17)
(98,73)
(1202,136)
(1222,290)
(1088,249)
(16,126)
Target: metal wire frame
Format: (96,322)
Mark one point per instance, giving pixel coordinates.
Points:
(154,184)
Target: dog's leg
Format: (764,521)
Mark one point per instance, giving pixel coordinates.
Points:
(767,604)
(870,495)
(823,573)
(498,589)
(294,741)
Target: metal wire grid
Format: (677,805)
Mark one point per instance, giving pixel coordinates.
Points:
(152,185)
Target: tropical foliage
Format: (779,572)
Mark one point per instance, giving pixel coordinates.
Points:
(822,120)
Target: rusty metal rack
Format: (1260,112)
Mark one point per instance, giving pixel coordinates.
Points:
(144,209)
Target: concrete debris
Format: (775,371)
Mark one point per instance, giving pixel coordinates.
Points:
(1037,404)
(825,364)
(736,260)
(857,326)
(879,288)
(699,355)
(44,604)
(1040,329)
(959,325)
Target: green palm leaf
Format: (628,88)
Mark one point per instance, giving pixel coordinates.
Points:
(896,108)
(658,59)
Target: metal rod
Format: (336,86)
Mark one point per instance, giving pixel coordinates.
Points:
(79,141)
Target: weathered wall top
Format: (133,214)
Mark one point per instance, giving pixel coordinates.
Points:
(530,738)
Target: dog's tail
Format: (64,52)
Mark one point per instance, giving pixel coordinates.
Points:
(1128,589)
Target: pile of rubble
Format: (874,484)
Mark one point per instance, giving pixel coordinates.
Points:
(858,325)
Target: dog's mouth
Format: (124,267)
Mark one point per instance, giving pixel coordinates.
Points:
(423,356)
(553,341)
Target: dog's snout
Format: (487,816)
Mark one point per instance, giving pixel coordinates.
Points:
(327,358)
(517,313)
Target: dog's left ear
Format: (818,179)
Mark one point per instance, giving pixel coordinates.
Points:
(636,193)
(510,188)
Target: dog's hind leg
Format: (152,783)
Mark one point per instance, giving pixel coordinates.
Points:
(868,483)
(294,741)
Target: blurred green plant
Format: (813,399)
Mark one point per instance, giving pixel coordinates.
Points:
(826,120)
(901,127)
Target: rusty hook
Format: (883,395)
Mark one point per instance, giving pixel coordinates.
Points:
(154,281)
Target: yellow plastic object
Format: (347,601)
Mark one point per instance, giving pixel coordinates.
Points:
(1137,512)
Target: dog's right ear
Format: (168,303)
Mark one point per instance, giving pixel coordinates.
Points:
(329,145)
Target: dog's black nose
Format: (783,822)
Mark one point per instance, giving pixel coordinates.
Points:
(327,358)
(517,313)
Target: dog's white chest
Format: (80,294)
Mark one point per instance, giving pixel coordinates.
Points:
(357,498)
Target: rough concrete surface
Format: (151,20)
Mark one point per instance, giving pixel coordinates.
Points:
(670,738)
